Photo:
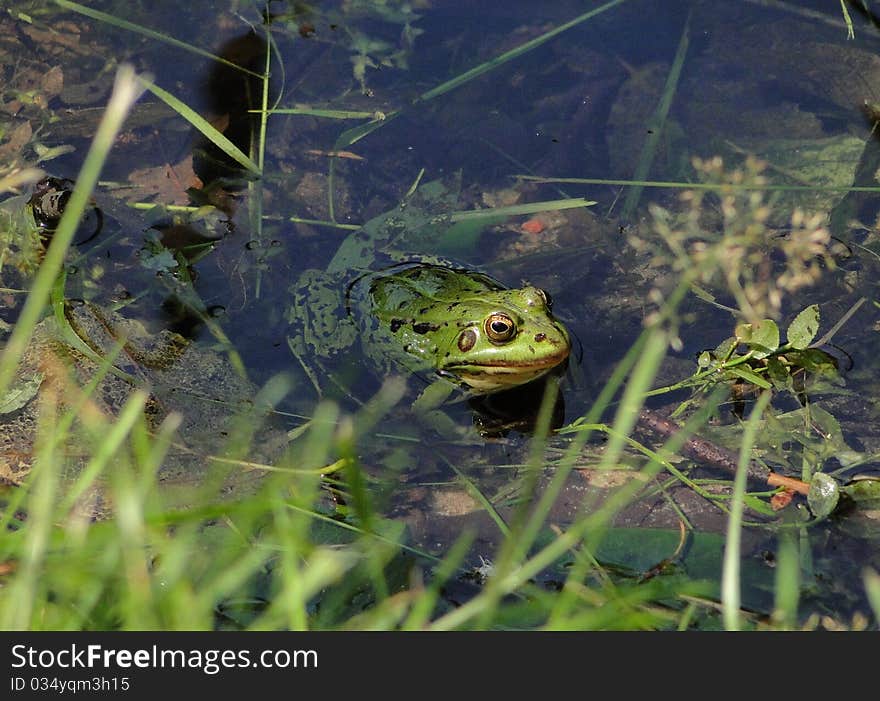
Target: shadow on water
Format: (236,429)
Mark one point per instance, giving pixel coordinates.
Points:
(232,95)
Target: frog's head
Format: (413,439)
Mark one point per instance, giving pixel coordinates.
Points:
(503,339)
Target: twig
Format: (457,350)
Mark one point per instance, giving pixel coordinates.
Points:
(713,454)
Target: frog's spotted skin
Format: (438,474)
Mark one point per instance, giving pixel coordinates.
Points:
(418,314)
(462,325)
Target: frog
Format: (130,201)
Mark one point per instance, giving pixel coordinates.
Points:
(456,328)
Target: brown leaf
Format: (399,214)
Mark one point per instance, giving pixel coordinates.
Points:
(166,183)
(18,139)
(220,122)
(335,154)
(52,82)
(61,36)
(781,499)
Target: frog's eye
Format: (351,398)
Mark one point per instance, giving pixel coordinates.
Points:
(499,327)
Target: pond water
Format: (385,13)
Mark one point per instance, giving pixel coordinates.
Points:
(565,100)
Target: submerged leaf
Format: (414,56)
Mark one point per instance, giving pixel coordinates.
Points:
(833,436)
(823,495)
(161,260)
(864,492)
(21,393)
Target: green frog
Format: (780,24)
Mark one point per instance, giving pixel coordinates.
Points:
(456,328)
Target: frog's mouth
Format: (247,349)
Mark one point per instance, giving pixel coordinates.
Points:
(495,376)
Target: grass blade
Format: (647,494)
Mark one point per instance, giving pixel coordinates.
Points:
(730,575)
(657,123)
(202,124)
(677,184)
(351,136)
(307,111)
(144,31)
(519,209)
(515,52)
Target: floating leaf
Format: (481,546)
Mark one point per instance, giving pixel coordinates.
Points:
(823,495)
(804,327)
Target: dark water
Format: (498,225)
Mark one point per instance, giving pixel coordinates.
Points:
(777,79)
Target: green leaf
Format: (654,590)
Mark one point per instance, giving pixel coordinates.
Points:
(778,373)
(758,505)
(749,376)
(816,360)
(764,338)
(827,423)
(743,332)
(725,348)
(804,327)
(703,293)
(823,495)
(162,260)
(834,439)
(462,238)
(518,209)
